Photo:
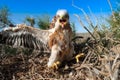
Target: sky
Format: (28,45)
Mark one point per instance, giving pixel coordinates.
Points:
(19,9)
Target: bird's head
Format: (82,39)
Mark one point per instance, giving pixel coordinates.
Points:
(62,17)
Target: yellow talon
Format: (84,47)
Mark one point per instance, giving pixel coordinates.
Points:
(55,65)
(78,56)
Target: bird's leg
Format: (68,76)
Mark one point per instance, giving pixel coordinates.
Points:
(55,65)
(78,56)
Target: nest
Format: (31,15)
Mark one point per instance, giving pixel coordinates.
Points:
(99,62)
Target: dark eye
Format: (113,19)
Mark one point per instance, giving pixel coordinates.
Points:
(62,20)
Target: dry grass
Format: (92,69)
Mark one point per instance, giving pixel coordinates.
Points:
(99,63)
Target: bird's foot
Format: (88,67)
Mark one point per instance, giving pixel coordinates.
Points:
(78,56)
(55,65)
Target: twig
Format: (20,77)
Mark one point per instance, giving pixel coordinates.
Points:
(84,26)
(85,14)
(93,15)
(86,57)
(115,61)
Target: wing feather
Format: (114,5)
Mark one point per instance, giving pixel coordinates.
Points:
(25,36)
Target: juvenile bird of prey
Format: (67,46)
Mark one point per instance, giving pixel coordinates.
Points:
(60,40)
(56,39)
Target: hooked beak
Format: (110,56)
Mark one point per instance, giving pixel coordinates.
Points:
(63,22)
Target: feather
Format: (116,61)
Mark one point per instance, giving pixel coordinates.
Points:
(25,36)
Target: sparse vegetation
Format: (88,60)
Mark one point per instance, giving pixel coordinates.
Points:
(101,60)
(4,17)
(43,22)
(30,20)
(114,22)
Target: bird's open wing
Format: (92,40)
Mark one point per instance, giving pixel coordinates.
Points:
(26,37)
